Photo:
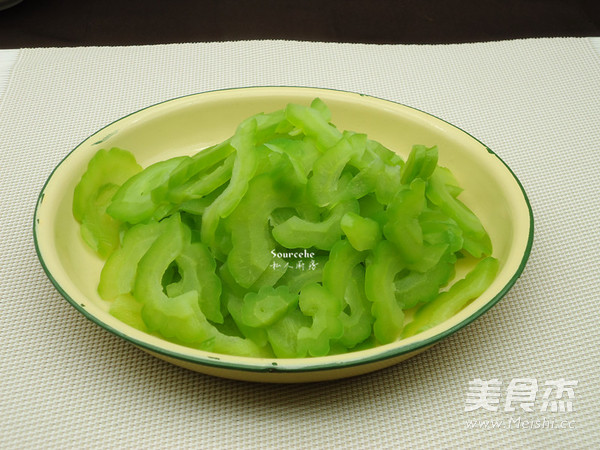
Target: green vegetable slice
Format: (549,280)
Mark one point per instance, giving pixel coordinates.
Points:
(447,304)
(313,123)
(133,201)
(476,240)
(252,242)
(324,308)
(105,173)
(343,276)
(242,172)
(380,273)
(177,317)
(107,167)
(119,272)
(362,232)
(299,233)
(266,306)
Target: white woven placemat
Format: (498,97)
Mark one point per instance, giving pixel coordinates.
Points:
(64,382)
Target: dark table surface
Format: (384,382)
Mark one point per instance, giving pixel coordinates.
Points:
(69,23)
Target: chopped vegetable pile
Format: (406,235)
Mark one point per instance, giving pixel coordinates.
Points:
(290,239)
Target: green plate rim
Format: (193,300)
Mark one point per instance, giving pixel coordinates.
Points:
(277,365)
